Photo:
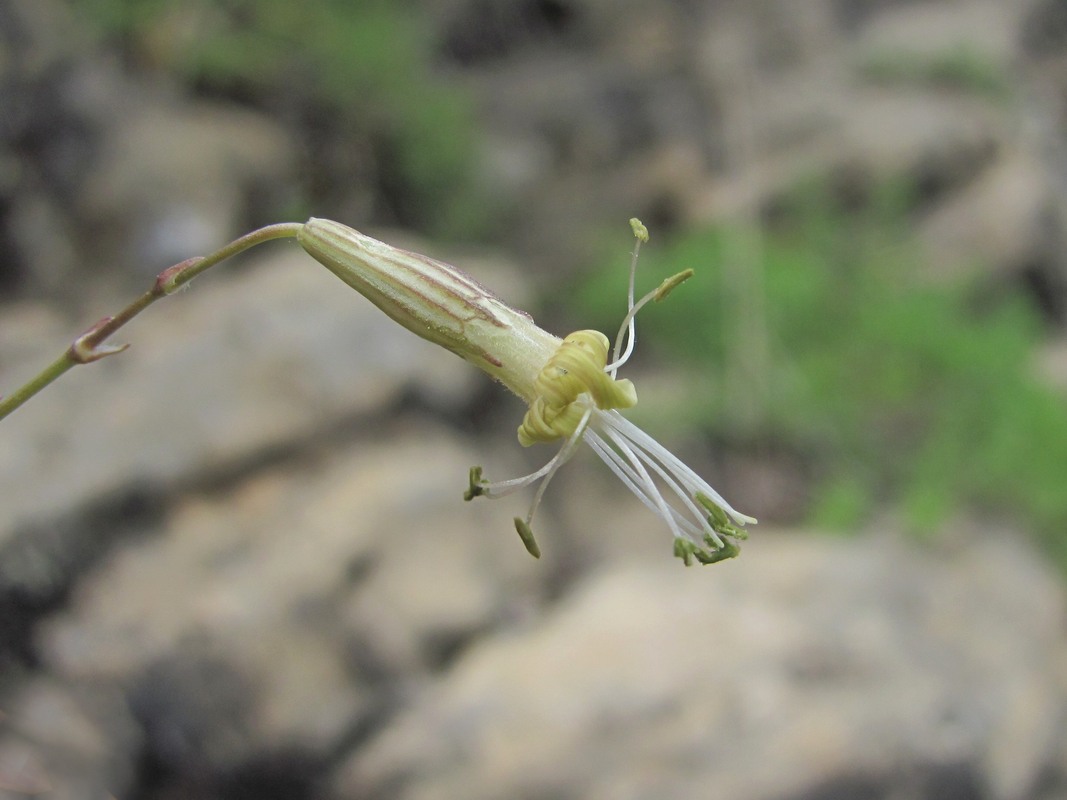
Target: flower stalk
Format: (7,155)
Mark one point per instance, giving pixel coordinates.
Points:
(91,345)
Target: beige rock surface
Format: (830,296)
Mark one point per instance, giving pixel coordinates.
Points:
(808,661)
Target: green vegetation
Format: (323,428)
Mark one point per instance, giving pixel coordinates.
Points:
(962,68)
(892,385)
(354,78)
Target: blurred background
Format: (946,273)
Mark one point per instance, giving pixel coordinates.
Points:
(235,561)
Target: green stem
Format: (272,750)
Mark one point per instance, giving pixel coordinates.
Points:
(90,345)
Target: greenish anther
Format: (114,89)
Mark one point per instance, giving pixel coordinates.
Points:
(640,231)
(720,522)
(670,284)
(477,484)
(527,537)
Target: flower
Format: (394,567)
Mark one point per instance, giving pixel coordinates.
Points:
(570,387)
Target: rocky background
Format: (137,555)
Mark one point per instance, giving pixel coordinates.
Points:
(235,562)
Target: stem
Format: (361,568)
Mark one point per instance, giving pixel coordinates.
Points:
(89,346)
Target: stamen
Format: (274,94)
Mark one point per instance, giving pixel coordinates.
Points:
(646,479)
(657,294)
(528,540)
(639,229)
(641,235)
(670,284)
(693,482)
(629,326)
(479,487)
(624,472)
(506,487)
(718,520)
(709,530)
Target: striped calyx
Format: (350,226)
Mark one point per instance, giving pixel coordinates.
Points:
(436,301)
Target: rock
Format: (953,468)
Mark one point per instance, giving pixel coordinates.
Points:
(939,143)
(1045,31)
(46,140)
(286,613)
(924,32)
(998,223)
(173,180)
(67,742)
(1052,363)
(809,663)
(110,174)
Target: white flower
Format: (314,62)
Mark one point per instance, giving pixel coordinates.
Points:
(571,389)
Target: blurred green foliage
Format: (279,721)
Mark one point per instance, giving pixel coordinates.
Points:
(894,384)
(356,78)
(963,68)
